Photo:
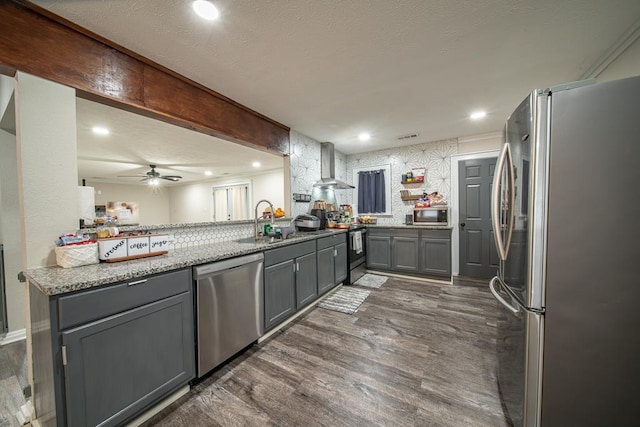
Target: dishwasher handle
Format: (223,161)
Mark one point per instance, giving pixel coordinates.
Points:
(205,270)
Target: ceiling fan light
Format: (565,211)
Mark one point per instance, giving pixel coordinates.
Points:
(154,182)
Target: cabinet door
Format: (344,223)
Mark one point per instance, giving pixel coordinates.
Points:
(306,279)
(279,292)
(379,252)
(341,263)
(326,270)
(405,254)
(118,365)
(436,256)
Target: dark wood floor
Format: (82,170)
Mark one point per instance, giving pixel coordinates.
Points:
(414,354)
(13,379)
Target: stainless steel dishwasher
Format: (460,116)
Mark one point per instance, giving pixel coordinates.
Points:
(229,308)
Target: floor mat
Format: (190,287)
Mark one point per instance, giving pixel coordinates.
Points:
(346,300)
(371,280)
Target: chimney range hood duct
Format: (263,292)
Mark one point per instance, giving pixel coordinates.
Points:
(328,169)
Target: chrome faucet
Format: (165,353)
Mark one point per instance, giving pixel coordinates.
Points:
(255,216)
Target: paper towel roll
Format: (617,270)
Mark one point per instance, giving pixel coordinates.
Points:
(86,204)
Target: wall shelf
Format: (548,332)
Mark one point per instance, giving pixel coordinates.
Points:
(411,197)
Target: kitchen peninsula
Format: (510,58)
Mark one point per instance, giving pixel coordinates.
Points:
(95,326)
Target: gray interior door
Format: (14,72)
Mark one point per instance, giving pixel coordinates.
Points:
(478,255)
(3,307)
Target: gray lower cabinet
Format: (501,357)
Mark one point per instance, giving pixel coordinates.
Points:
(332,261)
(289,281)
(115,366)
(113,351)
(405,250)
(306,283)
(435,252)
(411,251)
(378,249)
(279,293)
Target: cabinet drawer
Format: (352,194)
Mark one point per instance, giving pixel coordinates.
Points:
(98,303)
(327,242)
(379,231)
(406,233)
(276,256)
(436,234)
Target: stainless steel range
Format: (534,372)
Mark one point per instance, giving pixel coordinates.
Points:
(357,252)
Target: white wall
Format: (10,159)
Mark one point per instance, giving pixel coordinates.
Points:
(39,175)
(193,202)
(626,65)
(153,202)
(480,143)
(47,165)
(10,228)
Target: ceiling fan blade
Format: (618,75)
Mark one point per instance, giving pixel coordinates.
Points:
(173,178)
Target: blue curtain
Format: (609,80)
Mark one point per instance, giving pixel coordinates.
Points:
(371,192)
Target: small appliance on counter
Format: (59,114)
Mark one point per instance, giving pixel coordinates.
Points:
(431,216)
(321,214)
(307,223)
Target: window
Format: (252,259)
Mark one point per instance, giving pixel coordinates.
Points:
(372,195)
(231,202)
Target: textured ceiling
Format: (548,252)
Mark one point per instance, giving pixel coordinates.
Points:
(330,69)
(135,142)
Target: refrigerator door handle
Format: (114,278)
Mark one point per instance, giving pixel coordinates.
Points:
(492,284)
(503,209)
(496,202)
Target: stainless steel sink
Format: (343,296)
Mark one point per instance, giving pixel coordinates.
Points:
(260,240)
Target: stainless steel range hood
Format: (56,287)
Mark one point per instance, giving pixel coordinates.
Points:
(328,169)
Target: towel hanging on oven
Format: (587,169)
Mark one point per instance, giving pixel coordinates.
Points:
(357,241)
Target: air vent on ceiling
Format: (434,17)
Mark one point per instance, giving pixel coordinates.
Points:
(409,136)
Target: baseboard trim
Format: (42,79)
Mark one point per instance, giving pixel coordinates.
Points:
(159,407)
(14,336)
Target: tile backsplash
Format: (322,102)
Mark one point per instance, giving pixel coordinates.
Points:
(435,157)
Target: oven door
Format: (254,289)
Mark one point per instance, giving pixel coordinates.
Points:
(357,255)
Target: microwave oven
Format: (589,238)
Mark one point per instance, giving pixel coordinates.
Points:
(431,216)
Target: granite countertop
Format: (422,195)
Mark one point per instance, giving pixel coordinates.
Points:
(410,226)
(57,280)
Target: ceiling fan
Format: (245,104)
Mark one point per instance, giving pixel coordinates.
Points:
(152,176)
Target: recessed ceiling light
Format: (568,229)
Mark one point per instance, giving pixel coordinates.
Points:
(477,115)
(100,130)
(255,164)
(208,173)
(205,9)
(364,136)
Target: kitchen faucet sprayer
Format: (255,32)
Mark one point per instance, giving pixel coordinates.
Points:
(255,217)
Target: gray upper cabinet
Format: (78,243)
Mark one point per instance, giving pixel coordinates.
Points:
(332,261)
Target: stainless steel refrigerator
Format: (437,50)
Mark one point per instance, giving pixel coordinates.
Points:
(565,207)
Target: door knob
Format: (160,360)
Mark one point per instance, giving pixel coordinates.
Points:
(462,224)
